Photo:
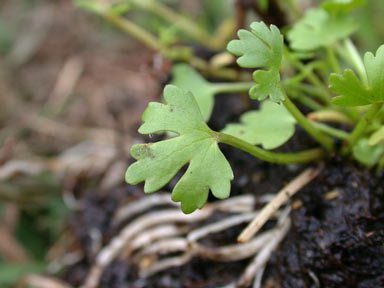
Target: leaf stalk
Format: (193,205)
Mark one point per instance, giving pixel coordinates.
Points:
(307,125)
(183,23)
(333,60)
(233,87)
(272,157)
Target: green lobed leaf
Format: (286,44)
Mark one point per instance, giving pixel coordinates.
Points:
(367,154)
(341,6)
(269,85)
(187,78)
(271,126)
(377,137)
(375,73)
(318,29)
(262,47)
(195,144)
(351,92)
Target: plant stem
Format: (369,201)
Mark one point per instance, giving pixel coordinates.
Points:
(361,126)
(307,125)
(333,60)
(233,87)
(134,30)
(183,23)
(306,101)
(337,133)
(279,158)
(172,53)
(309,68)
(310,75)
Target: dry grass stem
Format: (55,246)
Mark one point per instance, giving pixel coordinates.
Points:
(282,197)
(65,83)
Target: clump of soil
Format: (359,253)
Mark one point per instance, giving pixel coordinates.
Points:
(338,242)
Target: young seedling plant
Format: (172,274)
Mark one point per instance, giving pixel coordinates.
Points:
(314,66)
(320,69)
(189,101)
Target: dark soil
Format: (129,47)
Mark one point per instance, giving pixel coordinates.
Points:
(339,242)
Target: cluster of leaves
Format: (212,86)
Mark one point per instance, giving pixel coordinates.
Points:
(188,107)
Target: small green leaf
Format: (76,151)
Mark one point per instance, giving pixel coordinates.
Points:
(196,144)
(341,6)
(271,126)
(367,154)
(377,137)
(318,29)
(351,92)
(375,73)
(262,47)
(349,89)
(269,85)
(187,78)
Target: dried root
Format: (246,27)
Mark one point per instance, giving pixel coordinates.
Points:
(148,239)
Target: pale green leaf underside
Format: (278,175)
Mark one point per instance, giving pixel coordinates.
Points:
(196,144)
(270,127)
(187,78)
(319,29)
(262,47)
(367,154)
(338,6)
(377,137)
(351,92)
